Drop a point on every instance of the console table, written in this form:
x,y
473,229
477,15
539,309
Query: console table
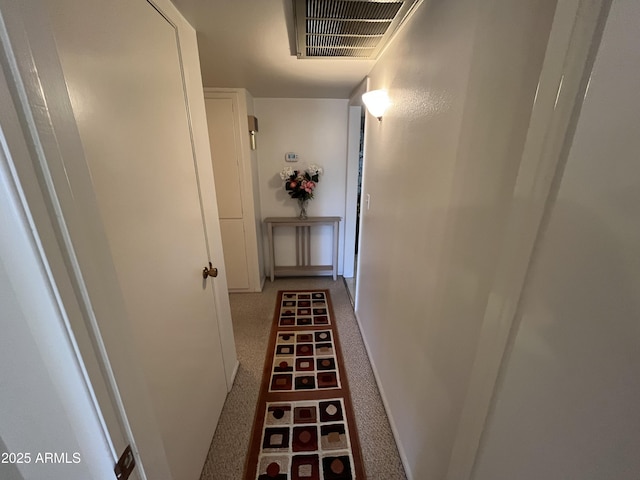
x,y
303,246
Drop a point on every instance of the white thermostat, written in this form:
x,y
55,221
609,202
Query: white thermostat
x,y
291,157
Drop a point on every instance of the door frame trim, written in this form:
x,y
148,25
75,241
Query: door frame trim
x,y
350,215
351,221
33,139
57,190
573,41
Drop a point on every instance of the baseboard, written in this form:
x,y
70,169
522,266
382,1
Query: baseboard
x,y
385,403
233,376
249,289
351,299
239,290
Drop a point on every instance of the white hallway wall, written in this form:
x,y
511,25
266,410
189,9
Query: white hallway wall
x,y
568,404
440,170
316,129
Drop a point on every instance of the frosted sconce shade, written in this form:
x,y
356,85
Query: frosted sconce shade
x,y
376,102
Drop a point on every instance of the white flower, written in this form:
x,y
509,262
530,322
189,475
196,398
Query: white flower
x,y
315,170
286,173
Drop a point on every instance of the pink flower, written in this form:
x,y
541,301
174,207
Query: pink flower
x,y
308,186
293,184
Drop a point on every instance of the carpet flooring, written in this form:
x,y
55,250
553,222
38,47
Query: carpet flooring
x,y
252,318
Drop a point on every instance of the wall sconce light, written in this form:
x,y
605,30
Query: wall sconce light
x,y
376,102
253,129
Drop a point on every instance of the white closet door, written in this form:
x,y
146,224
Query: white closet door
x,y
225,153
123,70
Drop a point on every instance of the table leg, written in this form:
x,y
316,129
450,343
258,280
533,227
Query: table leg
x,y
336,226
307,245
271,250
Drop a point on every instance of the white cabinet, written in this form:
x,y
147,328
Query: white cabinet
x,y
237,189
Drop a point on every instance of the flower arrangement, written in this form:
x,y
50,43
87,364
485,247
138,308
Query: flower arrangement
x,y
301,183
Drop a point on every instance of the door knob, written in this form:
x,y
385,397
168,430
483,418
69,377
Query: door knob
x,y
209,272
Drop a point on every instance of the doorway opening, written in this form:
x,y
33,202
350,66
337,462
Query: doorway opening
x,y
356,132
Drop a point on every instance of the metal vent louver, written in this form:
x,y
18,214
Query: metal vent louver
x,y
346,28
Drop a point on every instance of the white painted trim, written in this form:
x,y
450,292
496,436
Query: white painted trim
x,y
14,191
562,83
351,194
385,402
364,86
30,273
34,141
355,97
233,376
57,186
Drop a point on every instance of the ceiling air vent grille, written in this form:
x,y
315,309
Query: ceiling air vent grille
x,y
346,28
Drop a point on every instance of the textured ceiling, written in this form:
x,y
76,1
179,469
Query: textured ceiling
x,y
251,44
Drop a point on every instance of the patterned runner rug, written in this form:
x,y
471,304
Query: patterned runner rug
x,y
304,427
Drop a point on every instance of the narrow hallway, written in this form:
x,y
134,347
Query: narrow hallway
x,y
252,316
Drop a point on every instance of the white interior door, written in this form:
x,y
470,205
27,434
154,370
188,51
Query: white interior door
x,y
121,61
225,150
225,153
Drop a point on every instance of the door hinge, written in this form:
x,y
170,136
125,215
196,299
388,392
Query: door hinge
x,y
126,464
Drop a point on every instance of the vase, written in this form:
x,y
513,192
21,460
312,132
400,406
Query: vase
x,y
302,203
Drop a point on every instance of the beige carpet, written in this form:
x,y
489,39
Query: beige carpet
x,y
252,315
